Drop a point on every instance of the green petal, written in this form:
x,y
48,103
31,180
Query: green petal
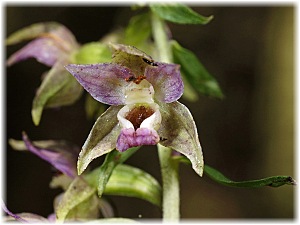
x,y
179,132
31,32
59,88
78,192
196,74
133,182
102,138
179,13
67,95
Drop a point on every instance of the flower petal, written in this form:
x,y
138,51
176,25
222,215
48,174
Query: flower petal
x,y
105,82
166,80
61,157
31,32
102,138
57,89
179,132
130,138
131,57
44,50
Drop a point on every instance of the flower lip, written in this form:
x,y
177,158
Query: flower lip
x,y
140,116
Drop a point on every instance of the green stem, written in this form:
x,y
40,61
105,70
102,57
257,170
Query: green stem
x,y
169,167
161,39
170,180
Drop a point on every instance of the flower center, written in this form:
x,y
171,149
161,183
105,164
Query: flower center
x,y
138,114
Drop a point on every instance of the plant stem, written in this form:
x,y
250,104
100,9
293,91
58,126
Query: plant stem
x,y
169,168
161,39
170,180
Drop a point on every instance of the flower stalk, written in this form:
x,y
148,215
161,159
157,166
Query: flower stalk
x,y
169,168
161,39
170,180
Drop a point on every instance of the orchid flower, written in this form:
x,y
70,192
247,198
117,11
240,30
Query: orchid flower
x,y
144,109
61,155
53,45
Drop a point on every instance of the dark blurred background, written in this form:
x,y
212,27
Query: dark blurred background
x,y
247,135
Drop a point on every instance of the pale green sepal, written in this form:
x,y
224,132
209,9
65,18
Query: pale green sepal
x,y
61,181
102,138
67,95
77,193
179,132
31,32
130,57
19,145
51,93
133,182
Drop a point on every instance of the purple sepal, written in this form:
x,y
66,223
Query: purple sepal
x,y
106,82
166,81
63,159
129,138
44,50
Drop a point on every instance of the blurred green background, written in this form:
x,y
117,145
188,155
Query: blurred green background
x,y
248,135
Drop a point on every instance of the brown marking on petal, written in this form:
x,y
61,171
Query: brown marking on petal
x,y
138,114
136,80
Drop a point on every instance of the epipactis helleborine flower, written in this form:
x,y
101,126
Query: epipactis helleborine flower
x,y
144,109
53,45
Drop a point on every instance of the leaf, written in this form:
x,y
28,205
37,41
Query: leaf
x,y
31,32
195,72
189,93
102,138
274,181
179,13
133,182
94,52
99,177
179,132
78,192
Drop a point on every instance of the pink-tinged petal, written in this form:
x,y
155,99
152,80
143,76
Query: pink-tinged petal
x,y
44,50
130,138
166,80
59,154
106,82
65,37
179,132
